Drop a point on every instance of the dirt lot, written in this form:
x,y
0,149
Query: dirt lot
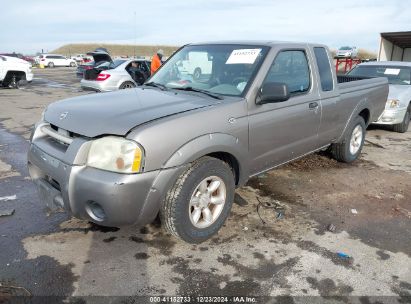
x,y
285,248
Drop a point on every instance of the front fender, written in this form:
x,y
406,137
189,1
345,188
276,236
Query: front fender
x,y
212,143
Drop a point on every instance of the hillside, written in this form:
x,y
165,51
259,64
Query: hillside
x,y
114,49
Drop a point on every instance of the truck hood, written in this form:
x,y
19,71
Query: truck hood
x,y
118,112
400,92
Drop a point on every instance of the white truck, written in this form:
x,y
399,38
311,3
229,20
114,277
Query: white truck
x,y
196,65
13,71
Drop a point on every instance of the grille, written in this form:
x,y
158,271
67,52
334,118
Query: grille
x,y
60,135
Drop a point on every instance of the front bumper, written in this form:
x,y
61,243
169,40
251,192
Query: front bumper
x,y
29,76
106,198
97,86
343,55
391,116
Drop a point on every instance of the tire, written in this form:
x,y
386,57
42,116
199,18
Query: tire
x,y
177,209
197,73
51,65
14,82
127,85
403,127
72,64
351,145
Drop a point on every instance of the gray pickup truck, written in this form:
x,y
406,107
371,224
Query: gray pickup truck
x,y
179,145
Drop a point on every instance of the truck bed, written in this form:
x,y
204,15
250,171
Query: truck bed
x,y
347,78
364,90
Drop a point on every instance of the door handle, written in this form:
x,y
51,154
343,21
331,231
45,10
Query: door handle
x,y
313,105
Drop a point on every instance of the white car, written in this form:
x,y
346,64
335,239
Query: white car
x,y
347,52
110,75
78,57
397,111
197,65
54,60
13,70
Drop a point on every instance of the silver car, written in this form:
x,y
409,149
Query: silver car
x,y
398,107
347,52
110,75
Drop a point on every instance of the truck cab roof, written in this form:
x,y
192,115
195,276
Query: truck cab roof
x,y
269,43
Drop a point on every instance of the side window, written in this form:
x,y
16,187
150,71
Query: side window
x,y
324,69
291,68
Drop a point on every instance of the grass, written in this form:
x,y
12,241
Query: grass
x,y
114,49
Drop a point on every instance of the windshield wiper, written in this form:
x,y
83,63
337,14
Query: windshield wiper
x,y
156,85
191,89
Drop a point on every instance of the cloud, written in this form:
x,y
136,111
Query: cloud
x,y
48,24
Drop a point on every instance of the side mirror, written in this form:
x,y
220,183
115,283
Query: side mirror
x,y
272,92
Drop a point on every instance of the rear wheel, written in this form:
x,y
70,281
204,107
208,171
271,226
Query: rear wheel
x,y
127,85
198,204
351,145
403,127
51,65
72,64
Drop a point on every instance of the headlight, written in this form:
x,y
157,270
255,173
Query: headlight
x,y
393,103
115,154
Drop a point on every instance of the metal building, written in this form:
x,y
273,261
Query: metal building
x,y
395,46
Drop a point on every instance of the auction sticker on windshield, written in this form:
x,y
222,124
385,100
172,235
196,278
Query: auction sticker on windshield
x,y
392,71
243,56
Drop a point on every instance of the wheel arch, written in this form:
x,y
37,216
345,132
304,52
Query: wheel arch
x,y
231,160
10,73
123,79
361,110
218,145
365,113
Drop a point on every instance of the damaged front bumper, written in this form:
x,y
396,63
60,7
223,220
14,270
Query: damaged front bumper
x,y
391,116
104,197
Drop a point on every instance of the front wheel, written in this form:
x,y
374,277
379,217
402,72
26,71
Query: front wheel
x,y
351,145
72,64
198,204
127,85
403,126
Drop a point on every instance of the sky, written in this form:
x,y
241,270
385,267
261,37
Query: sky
x,y
31,25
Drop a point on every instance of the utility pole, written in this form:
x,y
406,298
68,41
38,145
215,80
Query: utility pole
x,y
135,34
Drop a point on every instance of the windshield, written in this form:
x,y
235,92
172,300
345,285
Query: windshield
x,y
345,48
395,74
111,65
216,68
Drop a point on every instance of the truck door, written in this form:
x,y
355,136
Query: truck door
x,y
331,118
285,130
